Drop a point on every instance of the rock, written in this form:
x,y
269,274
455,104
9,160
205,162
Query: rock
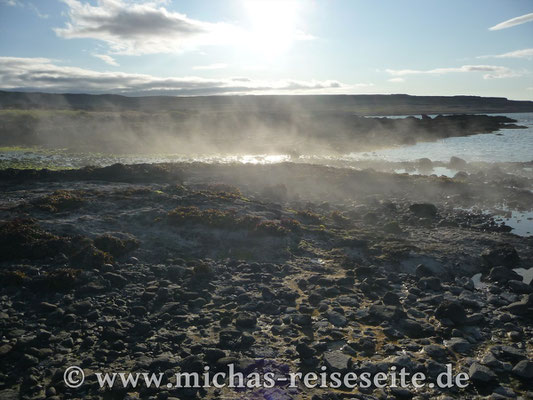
x,y
401,393
423,210
116,246
5,349
522,307
377,313
337,361
213,355
245,321
519,287
423,271
414,329
459,345
507,353
436,352
115,279
480,373
304,351
502,274
391,299
392,227
524,369
452,311
457,163
9,394
336,319
425,163
302,319
503,254
164,361
431,283
47,307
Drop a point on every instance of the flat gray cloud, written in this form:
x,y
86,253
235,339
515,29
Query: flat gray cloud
x,y
44,75
512,22
490,71
141,28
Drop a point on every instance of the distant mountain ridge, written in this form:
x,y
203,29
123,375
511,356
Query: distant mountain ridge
x,y
358,104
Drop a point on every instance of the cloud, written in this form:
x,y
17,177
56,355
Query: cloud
x,y
12,3
512,22
29,5
525,53
141,28
491,71
396,80
107,59
210,67
42,74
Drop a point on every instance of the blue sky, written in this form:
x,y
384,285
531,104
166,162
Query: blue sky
x,y
197,47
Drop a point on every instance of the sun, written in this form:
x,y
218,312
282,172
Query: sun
x,y
273,25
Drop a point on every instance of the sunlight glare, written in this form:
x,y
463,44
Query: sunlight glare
x,y
273,25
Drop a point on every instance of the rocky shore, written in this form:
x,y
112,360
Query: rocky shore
x,y
165,268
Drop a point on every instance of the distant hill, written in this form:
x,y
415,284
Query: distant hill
x,y
395,104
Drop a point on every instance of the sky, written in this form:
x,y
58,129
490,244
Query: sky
x,y
223,47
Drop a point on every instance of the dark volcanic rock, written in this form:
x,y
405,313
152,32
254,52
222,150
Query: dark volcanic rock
x,y
480,373
524,369
423,210
502,274
452,311
503,254
337,361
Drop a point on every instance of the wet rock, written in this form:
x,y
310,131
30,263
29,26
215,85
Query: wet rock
x,y
503,254
423,210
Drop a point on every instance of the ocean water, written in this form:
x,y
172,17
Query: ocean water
x,y
506,145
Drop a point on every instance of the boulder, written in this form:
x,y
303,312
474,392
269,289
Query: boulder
x,y
480,373
453,311
503,254
337,361
502,274
524,369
